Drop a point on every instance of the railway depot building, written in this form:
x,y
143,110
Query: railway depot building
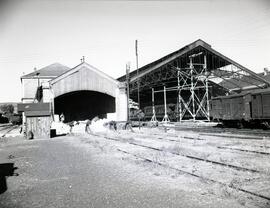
x,y
80,93
176,87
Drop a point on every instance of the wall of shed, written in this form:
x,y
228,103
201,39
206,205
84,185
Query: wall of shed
x,y
84,79
121,103
39,125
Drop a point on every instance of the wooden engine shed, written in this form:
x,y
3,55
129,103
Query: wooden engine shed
x,y
85,92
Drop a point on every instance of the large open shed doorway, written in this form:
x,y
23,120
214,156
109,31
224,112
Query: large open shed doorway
x,y
82,105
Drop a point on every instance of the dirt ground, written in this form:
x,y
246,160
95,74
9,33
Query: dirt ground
x,y
171,167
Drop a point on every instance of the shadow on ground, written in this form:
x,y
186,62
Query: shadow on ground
x,y
6,169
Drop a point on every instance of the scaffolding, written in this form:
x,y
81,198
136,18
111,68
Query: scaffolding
x,y
195,81
166,117
154,118
192,79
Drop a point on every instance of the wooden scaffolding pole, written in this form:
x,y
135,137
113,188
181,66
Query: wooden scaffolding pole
x,y
165,118
206,88
192,88
154,118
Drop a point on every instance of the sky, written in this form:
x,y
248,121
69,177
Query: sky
x,y
37,33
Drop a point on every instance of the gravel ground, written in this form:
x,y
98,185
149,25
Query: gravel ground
x,y
70,172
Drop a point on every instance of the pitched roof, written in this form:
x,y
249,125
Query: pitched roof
x,y
51,71
78,67
186,51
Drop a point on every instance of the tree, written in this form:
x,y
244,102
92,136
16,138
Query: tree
x,y
7,110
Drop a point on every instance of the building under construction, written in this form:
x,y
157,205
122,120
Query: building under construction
x,y
180,85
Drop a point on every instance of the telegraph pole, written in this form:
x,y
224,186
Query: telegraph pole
x,y
137,66
127,80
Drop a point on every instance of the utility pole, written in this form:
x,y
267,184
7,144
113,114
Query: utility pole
x,y
37,74
137,66
127,80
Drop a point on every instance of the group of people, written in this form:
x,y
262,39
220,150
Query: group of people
x,y
112,125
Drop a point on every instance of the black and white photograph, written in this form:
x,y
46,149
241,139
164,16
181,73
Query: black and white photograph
x,y
134,104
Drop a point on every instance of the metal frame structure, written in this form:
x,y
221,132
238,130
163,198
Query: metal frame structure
x,y
195,73
190,82
166,117
154,118
195,104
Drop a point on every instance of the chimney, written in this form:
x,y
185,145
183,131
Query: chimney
x,y
82,59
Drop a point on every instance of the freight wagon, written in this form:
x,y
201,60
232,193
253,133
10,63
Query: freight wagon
x,y
160,112
243,109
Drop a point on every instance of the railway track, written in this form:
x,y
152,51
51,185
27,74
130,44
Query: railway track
x,y
8,129
234,136
163,137
196,175
244,150
252,134
4,127
176,136
188,172
249,132
189,156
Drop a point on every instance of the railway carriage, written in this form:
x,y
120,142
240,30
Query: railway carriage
x,y
243,109
261,105
160,112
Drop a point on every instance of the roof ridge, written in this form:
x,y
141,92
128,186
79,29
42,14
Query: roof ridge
x,y
81,64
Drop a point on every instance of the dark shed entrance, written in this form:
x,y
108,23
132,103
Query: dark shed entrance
x,y
82,105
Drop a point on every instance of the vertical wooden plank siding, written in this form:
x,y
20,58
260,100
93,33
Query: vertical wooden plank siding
x,y
85,79
266,105
40,126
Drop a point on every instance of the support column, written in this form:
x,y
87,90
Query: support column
x,y
192,89
165,118
179,97
154,118
206,88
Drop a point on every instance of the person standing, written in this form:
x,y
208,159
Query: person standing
x,y
87,127
62,117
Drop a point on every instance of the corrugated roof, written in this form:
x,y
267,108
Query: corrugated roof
x,y
252,92
51,71
243,82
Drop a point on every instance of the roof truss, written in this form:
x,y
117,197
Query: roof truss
x,y
221,69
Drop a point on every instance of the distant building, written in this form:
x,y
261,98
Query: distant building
x,y
41,77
